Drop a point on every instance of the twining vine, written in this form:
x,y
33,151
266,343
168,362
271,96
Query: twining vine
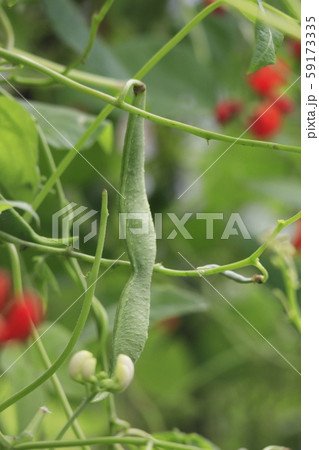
x,y
131,324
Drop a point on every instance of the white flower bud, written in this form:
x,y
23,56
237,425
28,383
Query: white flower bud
x,y
124,371
88,368
82,365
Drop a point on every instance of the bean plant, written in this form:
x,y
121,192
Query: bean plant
x,y
32,174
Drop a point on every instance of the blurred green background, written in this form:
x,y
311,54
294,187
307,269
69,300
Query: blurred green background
x,y
207,371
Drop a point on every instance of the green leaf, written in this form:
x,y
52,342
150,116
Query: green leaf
x,y
178,437
267,42
100,397
71,27
19,176
172,301
6,204
63,126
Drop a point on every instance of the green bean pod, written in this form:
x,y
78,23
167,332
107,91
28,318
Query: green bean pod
x,y
132,317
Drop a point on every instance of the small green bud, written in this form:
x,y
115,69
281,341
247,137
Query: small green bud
x,y
124,371
82,366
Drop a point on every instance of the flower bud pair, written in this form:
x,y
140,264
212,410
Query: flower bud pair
x,y
82,366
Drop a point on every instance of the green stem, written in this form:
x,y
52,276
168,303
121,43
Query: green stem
x,y
252,260
88,295
98,310
75,415
51,163
104,440
66,161
176,39
290,301
280,225
17,283
205,134
294,8
7,29
76,75
293,310
16,269
96,20
58,386
198,36
275,18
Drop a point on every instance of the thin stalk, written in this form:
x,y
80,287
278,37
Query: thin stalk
x,y
205,134
88,295
283,22
66,161
7,29
95,23
16,269
51,163
58,386
176,39
18,289
104,440
252,260
293,307
293,7
280,225
76,75
75,415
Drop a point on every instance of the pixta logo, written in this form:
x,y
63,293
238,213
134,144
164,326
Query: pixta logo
x,y
138,223
65,227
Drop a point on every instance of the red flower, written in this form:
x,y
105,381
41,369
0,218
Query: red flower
x,y
17,323
266,80
5,289
266,122
219,10
296,240
285,104
227,109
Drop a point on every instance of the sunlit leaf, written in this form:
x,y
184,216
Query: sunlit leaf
x,y
19,176
267,42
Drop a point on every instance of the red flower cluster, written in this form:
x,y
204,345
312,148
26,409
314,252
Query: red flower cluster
x,y
17,314
267,82
267,119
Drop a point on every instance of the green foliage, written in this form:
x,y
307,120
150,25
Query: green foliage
x,y
211,372
63,126
71,27
268,41
172,301
19,176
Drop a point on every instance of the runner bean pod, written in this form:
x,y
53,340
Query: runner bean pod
x,y
132,318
